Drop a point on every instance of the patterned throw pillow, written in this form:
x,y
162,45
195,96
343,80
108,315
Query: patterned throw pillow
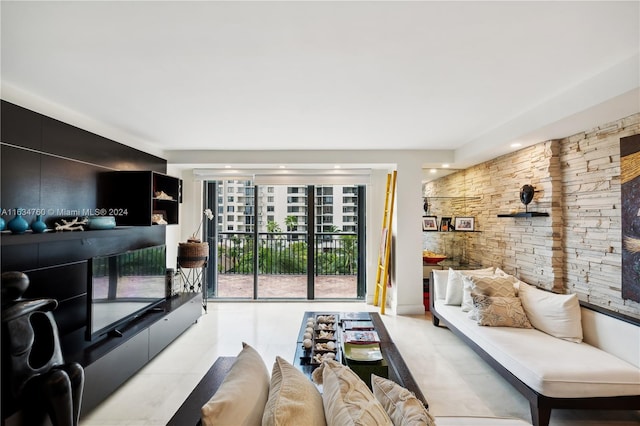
x,y
493,285
455,283
497,311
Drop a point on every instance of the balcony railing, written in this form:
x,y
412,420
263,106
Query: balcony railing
x,y
286,253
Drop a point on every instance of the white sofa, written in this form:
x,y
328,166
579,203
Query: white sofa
x,y
601,372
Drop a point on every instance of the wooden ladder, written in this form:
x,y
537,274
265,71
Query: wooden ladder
x,y
384,254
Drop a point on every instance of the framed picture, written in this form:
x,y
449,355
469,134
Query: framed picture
x,y
429,223
465,223
445,224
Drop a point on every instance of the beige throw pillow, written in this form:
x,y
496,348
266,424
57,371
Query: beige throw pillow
x,y
489,285
293,398
555,314
401,405
241,398
497,311
347,399
455,284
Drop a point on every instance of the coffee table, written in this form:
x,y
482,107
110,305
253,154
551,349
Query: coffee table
x,y
397,369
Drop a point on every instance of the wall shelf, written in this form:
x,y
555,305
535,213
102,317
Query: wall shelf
x,y
135,193
9,239
525,214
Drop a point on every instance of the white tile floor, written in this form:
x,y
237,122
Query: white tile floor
x,y
454,380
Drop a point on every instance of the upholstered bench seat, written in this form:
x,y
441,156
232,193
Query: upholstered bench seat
x,y
551,366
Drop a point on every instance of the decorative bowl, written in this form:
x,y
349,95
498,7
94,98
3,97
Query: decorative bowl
x,y
432,260
102,222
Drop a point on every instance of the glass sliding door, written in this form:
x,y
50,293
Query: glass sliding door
x,y
282,242
231,240
336,241
285,241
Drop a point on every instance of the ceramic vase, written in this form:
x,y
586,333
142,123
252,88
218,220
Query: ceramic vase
x,y
18,225
38,226
2,224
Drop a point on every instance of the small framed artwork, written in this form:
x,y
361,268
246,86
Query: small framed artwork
x,y
445,224
429,223
465,224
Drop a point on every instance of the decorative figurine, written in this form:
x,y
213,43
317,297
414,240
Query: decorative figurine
x,y
34,371
526,195
74,225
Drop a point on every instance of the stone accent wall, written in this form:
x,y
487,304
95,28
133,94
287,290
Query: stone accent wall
x,y
577,249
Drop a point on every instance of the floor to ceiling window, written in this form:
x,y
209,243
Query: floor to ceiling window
x,y
285,241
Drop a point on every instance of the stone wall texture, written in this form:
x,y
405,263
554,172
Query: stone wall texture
x,y
577,248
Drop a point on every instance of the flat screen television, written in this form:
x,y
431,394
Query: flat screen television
x,y
122,287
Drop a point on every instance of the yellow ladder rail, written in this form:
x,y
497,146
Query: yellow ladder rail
x,y
384,254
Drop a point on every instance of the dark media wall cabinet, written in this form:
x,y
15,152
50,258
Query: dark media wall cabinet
x,y
53,166
140,343
134,196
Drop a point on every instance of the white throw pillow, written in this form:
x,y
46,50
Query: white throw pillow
x,y
241,397
293,398
453,295
440,279
555,314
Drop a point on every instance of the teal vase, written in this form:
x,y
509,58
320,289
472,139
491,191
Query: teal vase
x,y
3,224
18,225
38,226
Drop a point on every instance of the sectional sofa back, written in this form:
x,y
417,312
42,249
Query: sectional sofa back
x,y
612,335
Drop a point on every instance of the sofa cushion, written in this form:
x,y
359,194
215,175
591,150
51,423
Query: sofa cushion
x,y
498,311
551,366
401,405
293,398
242,396
489,285
453,294
347,399
555,314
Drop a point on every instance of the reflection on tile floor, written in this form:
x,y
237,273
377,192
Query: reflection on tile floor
x,y
453,378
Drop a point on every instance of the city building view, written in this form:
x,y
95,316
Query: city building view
x,y
262,241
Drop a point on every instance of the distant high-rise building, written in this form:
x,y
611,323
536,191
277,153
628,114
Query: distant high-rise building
x,y
336,207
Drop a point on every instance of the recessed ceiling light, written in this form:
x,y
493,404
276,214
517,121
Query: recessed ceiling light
x,y
516,145
227,167
282,167
445,166
337,166
433,171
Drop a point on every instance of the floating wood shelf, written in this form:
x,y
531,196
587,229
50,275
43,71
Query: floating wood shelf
x,y
525,214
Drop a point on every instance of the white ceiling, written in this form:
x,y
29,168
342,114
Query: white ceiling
x,y
465,76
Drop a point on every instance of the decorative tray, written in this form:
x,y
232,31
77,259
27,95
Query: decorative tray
x,y
363,353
